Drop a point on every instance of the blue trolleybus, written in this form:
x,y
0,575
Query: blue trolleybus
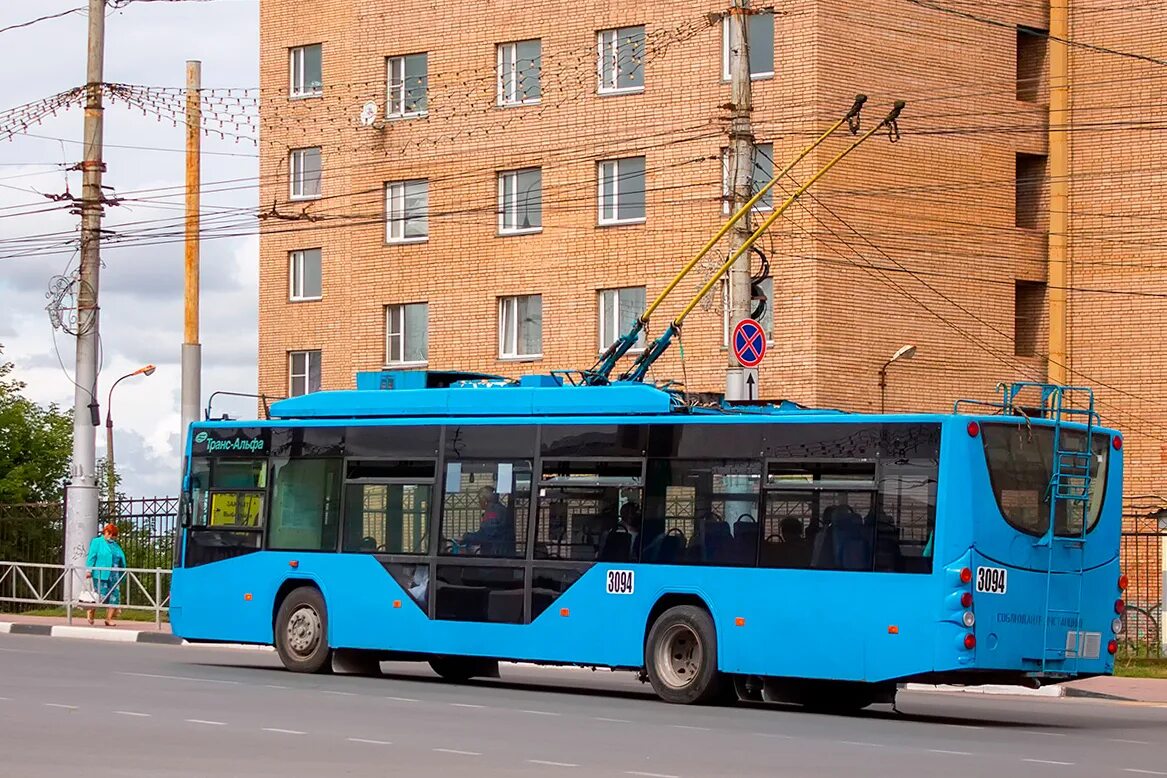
x,y
766,550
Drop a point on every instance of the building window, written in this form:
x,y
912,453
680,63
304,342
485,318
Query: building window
x,y
1032,192
619,310
304,275
303,372
520,327
620,63
520,201
1028,308
760,39
407,211
763,172
1032,49
761,297
408,81
304,172
519,67
621,190
306,71
407,334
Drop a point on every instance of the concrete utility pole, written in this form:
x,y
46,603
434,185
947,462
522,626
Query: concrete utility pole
x,y
192,356
741,175
81,493
1058,169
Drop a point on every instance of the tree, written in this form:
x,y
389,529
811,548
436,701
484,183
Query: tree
x,y
35,445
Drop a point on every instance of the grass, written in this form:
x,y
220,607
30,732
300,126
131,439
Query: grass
x,y
79,613
1140,667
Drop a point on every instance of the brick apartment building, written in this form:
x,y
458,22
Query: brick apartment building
x,y
534,171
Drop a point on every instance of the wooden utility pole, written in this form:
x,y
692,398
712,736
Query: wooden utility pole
x,y
81,493
191,349
1058,169
741,174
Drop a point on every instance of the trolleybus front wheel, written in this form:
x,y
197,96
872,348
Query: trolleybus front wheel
x,y
680,656
301,632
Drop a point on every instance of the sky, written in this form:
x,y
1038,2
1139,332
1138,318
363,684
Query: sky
x,y
141,288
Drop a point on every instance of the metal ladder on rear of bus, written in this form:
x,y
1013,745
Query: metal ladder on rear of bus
x,y
1069,486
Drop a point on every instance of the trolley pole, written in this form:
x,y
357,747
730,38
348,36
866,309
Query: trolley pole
x,y
741,174
192,357
1057,369
81,497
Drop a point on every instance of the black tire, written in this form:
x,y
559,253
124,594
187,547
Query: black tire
x,y
301,632
459,669
680,656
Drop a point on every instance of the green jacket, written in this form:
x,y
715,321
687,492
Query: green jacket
x,y
104,553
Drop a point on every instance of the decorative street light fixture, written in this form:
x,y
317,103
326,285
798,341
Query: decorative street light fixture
x,y
109,472
905,352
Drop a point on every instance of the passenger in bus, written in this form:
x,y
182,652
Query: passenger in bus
x,y
622,542
496,532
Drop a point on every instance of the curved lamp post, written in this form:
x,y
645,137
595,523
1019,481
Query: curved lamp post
x,y
905,352
109,472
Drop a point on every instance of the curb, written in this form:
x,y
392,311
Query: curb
x,y
1020,691
112,635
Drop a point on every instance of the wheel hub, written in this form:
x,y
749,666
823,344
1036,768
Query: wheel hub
x,y
304,631
679,656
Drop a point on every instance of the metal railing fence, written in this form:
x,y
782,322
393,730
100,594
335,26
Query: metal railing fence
x,y
33,584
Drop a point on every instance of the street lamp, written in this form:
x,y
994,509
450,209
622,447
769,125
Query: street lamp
x,y
905,352
109,474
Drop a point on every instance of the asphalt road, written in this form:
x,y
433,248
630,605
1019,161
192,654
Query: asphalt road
x,y
101,709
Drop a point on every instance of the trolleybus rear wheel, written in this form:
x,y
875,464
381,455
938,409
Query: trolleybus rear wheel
x,y
301,632
680,656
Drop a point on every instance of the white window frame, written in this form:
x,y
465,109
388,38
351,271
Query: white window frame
x,y
513,313
725,326
397,311
392,221
296,56
726,75
608,45
400,88
307,374
512,99
296,275
600,179
503,229
295,163
608,338
727,196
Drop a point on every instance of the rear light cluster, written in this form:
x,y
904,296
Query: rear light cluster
x,y
968,618
1119,609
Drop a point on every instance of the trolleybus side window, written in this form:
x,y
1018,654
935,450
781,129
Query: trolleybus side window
x,y
305,508
702,512
819,515
485,508
589,510
227,509
387,506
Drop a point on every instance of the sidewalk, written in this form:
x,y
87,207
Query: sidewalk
x,y
1148,690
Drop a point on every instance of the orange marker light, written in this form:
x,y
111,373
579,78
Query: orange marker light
x,y
564,612
247,597
293,564
739,622
397,603
893,629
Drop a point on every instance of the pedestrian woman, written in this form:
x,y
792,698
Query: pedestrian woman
x,y
104,560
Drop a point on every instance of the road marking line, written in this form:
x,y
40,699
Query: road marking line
x,y
771,734
339,694
275,686
1048,761
59,705
1047,734
402,699
613,721
132,713
6,699
950,753
861,743
539,712
1142,772
1135,742
456,751
465,705
964,726
208,723
551,764
370,742
180,678
650,775
284,731
686,726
